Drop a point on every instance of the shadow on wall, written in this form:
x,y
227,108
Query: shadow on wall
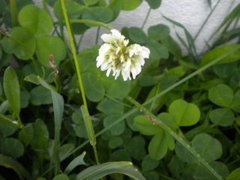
x,y
191,14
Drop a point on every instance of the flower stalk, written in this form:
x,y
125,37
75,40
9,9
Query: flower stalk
x,y
88,121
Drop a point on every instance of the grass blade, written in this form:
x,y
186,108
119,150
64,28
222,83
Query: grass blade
x,y
75,162
12,91
102,170
189,39
58,109
228,23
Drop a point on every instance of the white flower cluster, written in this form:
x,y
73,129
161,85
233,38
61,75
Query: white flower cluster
x,y
117,57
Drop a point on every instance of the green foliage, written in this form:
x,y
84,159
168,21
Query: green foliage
x,y
234,174
222,117
185,114
35,20
12,90
186,126
130,5
221,95
46,46
208,147
21,43
154,4
9,162
75,162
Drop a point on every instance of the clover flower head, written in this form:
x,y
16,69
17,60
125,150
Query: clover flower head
x,y
116,56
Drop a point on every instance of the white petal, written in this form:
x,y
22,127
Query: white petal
x,y
104,66
117,35
108,38
125,42
145,52
104,48
108,72
100,60
134,73
116,73
126,75
140,61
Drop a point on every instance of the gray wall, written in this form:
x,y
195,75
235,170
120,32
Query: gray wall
x,y
191,13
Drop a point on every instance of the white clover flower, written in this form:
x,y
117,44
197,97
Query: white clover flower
x,y
117,57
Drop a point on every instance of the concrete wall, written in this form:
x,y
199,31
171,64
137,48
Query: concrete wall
x,y
191,13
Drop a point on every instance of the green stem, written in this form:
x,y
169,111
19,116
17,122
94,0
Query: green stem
x,y
79,42
91,22
13,11
206,20
88,121
97,35
183,142
146,18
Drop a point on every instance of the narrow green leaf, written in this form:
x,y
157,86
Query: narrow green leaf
x,y
76,162
8,162
102,170
65,150
12,90
229,20
209,3
32,78
189,39
58,109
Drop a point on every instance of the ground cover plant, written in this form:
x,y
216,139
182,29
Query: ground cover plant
x,y
132,107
